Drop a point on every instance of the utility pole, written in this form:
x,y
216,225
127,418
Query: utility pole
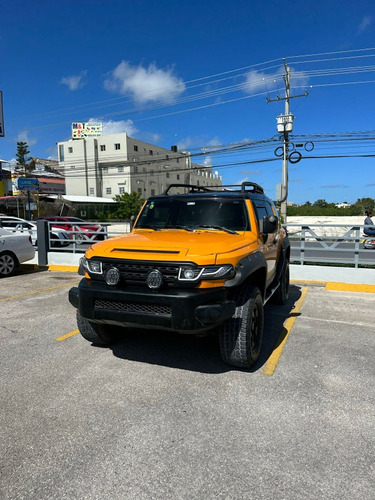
x,y
285,125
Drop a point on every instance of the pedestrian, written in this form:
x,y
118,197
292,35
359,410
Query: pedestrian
x,y
370,231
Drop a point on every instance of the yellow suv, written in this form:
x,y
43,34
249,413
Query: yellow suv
x,y
196,260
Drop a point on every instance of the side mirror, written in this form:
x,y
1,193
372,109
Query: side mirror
x,y
270,224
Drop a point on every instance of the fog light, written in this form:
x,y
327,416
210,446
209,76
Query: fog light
x,y
112,276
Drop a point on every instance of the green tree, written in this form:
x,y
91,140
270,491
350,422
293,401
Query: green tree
x,y
321,203
363,204
22,152
129,204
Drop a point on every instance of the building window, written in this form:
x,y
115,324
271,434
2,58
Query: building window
x,y
151,172
120,170
70,150
178,177
102,147
61,152
135,147
105,170
108,191
121,190
167,157
151,152
178,160
117,146
168,175
136,170
152,192
139,190
91,190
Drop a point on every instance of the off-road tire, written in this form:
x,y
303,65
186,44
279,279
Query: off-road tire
x,y
95,333
241,336
8,264
282,293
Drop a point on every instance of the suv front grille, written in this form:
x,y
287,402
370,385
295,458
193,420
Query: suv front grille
x,y
136,272
117,305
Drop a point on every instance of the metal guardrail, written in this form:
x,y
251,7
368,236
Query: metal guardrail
x,y
330,244
312,243
80,237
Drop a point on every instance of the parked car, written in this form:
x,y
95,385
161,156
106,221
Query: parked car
x,y
58,237
15,248
79,230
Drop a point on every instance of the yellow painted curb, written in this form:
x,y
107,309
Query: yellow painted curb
x,y
338,286
69,269
350,287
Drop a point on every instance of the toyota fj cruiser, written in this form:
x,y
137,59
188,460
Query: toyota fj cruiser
x,y
199,260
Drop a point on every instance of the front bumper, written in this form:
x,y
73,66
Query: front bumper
x,y
184,311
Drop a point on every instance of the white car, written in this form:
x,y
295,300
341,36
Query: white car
x,y
58,237
14,249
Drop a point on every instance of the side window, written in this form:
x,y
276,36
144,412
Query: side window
x,y
262,208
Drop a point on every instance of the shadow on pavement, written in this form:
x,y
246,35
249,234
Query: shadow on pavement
x,y
200,354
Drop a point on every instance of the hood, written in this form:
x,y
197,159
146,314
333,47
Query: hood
x,y
170,245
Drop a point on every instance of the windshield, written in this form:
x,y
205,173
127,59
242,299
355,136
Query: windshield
x,y
194,213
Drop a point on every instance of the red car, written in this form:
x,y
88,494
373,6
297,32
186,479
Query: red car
x,y
80,230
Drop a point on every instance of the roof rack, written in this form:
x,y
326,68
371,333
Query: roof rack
x,y
229,187
256,187
193,188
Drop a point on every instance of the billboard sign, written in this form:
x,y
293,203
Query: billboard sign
x,y
27,183
88,129
2,133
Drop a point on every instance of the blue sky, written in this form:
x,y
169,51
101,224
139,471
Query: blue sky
x,y
197,74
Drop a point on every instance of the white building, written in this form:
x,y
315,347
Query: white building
x,y
108,165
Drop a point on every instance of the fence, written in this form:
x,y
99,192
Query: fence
x,y
331,244
313,243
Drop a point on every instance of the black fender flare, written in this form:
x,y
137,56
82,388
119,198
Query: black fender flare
x,y
284,257
246,267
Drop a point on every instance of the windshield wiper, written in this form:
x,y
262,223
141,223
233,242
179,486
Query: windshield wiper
x,y
148,227
179,226
219,228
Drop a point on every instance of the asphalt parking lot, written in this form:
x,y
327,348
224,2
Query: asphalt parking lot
x,y
160,416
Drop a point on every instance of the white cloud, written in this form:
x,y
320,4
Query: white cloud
x,y
196,143
256,81
75,82
149,84
116,127
23,137
365,23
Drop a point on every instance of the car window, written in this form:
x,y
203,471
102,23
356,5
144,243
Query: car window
x,y
262,208
195,213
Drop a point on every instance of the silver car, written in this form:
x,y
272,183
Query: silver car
x,y
14,249
58,237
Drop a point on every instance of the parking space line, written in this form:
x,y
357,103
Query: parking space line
x,y
67,335
273,360
38,291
